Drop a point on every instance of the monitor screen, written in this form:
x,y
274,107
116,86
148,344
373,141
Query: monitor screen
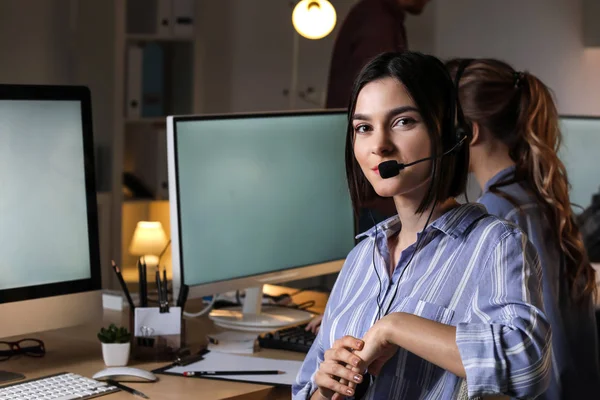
x,y
580,146
49,233
49,230
260,193
43,208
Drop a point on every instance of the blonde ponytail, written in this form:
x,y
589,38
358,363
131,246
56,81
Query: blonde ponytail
x,y
537,161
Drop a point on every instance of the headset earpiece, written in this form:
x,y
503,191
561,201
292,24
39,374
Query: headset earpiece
x,y
461,134
462,129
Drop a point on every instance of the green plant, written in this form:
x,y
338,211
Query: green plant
x,y
114,334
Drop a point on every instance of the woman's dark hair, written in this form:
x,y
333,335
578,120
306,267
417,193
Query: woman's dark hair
x,y
518,110
428,83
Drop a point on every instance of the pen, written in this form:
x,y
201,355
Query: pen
x,y
126,388
143,287
159,290
166,289
123,285
254,372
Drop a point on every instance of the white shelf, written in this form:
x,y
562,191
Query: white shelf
x,y
157,38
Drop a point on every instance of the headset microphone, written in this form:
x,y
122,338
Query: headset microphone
x,y
391,168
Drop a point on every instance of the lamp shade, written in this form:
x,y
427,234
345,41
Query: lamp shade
x,y
149,238
314,19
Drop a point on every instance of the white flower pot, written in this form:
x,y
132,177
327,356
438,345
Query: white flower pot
x,y
116,354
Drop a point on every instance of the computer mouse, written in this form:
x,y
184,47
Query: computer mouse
x,y
125,374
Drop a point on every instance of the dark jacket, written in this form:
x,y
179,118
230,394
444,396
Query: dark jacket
x,y
372,27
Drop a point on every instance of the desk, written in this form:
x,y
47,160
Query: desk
x,y
78,350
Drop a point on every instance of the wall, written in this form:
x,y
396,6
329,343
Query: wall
x,y
63,42
248,55
420,29
34,41
544,37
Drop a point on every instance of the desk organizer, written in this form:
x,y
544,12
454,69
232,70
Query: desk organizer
x,y
156,336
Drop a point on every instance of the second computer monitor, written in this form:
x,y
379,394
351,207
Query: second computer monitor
x,y
257,199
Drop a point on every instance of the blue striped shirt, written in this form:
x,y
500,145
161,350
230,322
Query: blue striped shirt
x,y
574,338
473,271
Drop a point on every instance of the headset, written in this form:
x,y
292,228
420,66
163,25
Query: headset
x,y
462,130
390,169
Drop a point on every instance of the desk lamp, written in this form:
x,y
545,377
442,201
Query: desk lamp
x,y
149,239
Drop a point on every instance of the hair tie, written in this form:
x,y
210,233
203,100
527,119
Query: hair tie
x,y
518,78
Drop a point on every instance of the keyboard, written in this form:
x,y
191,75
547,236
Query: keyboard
x,y
293,339
63,386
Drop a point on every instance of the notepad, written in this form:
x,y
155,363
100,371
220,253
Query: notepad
x,y
232,362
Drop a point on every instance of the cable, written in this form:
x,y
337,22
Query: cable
x,y
373,256
409,261
202,312
162,253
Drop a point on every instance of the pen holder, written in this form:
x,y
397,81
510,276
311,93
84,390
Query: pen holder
x,y
156,336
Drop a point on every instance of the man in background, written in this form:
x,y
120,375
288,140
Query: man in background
x,y
372,27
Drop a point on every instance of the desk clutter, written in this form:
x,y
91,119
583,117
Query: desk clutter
x,y
214,365
157,332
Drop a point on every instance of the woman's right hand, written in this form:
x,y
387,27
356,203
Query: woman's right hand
x,y
333,376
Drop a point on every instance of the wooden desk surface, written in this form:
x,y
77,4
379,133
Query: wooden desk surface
x,y
78,350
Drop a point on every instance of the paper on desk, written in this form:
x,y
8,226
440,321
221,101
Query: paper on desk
x,y
230,362
168,323
234,342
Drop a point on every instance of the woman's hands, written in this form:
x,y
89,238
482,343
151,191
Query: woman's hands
x,y
339,368
377,350
349,358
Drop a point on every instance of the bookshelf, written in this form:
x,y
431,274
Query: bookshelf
x,y
156,73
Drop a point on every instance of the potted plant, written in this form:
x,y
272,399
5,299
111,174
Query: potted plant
x,y
115,345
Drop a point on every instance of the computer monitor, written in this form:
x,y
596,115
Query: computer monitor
x,y
50,264
580,147
257,199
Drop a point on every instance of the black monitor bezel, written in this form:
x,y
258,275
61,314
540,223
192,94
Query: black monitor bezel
x,y
185,118
83,96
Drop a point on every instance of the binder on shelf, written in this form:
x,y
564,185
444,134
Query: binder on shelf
x,y
164,17
183,18
133,103
152,81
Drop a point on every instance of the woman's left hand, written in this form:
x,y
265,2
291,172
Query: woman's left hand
x,y
377,350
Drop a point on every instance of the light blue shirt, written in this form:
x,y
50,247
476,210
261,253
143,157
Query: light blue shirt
x,y
574,338
473,271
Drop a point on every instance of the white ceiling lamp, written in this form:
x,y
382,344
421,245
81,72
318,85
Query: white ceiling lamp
x,y
314,19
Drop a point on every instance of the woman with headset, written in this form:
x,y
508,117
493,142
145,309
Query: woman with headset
x,y
442,292
513,152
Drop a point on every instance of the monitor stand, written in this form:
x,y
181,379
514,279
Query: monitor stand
x,y
254,317
6,376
